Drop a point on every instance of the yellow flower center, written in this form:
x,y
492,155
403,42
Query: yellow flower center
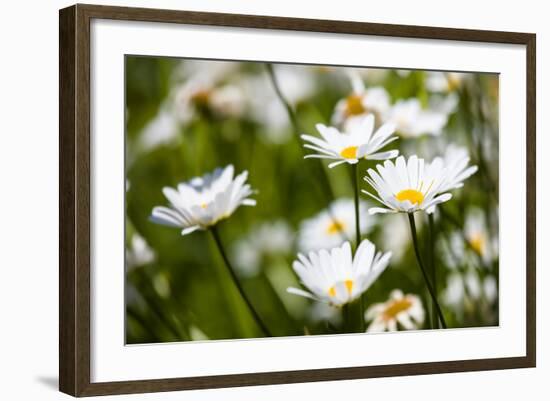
x,y
336,227
204,205
453,82
347,283
201,97
412,195
394,308
349,153
477,242
354,106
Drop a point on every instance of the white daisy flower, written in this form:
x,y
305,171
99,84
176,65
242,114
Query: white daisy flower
x,y
336,277
455,164
469,287
160,130
400,310
296,84
203,201
478,237
205,86
322,312
331,227
361,101
412,121
437,81
395,234
138,253
226,100
357,142
467,246
406,186
266,239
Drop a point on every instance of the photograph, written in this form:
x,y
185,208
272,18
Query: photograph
x,y
285,200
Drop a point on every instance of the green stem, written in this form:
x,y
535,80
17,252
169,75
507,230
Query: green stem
x,y
354,169
288,107
346,314
323,186
423,270
253,312
354,174
433,268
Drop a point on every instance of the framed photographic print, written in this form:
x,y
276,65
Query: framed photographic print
x,y
251,200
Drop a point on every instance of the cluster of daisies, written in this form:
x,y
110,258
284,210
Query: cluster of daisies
x,y
333,268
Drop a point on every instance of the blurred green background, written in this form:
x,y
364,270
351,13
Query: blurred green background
x,y
187,117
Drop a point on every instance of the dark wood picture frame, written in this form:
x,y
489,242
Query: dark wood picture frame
x,y
74,199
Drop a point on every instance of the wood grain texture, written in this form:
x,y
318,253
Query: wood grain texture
x,y
67,101
74,198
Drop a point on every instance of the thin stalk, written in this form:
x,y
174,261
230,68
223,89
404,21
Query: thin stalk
x,y
324,187
253,312
433,267
147,292
423,270
354,174
346,314
288,107
354,169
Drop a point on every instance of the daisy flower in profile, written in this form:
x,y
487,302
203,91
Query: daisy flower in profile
x,y
357,142
203,201
477,234
336,276
412,121
406,186
331,227
266,239
400,311
361,101
455,162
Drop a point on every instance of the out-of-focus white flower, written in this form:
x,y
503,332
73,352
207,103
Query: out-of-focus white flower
x,y
331,227
444,103
322,312
197,334
477,235
469,286
465,248
400,310
226,100
296,84
361,101
205,84
396,234
371,76
337,277
162,129
411,120
203,201
406,186
437,81
265,239
357,142
138,253
161,284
